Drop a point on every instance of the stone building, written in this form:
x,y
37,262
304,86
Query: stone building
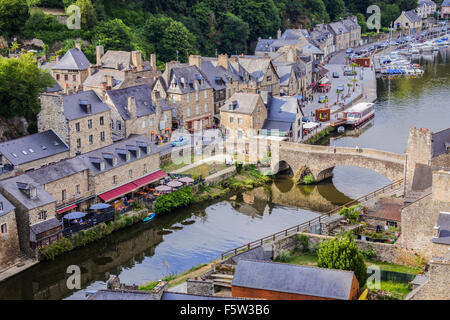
x,y
189,90
351,23
341,35
31,152
9,244
71,71
122,167
135,111
243,115
82,120
36,220
408,20
289,85
322,38
118,70
425,8
445,9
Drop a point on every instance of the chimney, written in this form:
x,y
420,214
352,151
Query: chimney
x,y
100,50
132,107
222,60
278,34
90,71
153,61
136,59
195,60
78,45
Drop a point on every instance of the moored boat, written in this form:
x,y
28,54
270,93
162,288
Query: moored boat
x,y
359,114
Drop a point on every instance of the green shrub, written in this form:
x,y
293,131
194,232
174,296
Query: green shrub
x,y
303,240
238,166
308,179
369,253
178,199
284,256
352,213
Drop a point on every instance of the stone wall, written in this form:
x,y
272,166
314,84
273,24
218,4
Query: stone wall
x,y
419,150
9,241
52,116
200,287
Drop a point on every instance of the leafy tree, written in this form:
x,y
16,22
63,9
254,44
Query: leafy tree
x,y
342,253
21,83
234,35
335,8
352,213
168,36
13,14
114,35
362,22
389,13
88,14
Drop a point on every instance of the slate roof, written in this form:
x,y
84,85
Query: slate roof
x,y
246,103
284,73
98,77
73,110
43,197
446,3
337,27
426,2
215,78
57,171
55,88
117,150
7,206
120,60
252,254
412,16
142,95
36,146
45,226
302,280
423,177
74,59
184,296
310,48
441,142
187,79
351,23
444,225
255,66
264,45
121,295
282,126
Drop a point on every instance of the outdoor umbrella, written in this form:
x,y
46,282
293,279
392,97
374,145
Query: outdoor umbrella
x,y
163,188
186,180
100,206
74,215
175,184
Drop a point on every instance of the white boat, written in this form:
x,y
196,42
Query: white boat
x,y
359,114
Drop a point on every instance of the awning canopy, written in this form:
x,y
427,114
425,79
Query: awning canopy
x,y
67,209
100,206
74,215
149,178
117,192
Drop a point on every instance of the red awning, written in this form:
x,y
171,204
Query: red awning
x,y
117,192
150,178
67,209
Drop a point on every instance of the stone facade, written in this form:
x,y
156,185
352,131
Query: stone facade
x,y
9,239
419,150
199,286
404,22
70,80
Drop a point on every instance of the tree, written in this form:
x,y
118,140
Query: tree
x,y
88,14
21,83
234,35
114,35
13,14
362,22
342,253
165,37
335,8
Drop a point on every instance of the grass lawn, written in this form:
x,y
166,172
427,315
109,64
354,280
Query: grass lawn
x,y
393,267
171,166
397,290
206,169
304,259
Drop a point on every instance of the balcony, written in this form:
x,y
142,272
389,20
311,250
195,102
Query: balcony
x,y
91,220
75,199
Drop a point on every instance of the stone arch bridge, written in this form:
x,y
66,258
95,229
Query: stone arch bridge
x,y
321,160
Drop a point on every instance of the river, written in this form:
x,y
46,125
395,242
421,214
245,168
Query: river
x,y
175,242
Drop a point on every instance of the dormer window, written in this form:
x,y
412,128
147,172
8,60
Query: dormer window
x,y
24,152
14,155
128,156
31,150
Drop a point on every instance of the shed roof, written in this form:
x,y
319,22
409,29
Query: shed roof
x,y
45,226
302,280
33,147
387,209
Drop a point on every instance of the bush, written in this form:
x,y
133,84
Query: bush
x,y
352,213
369,253
238,166
304,241
284,256
308,179
168,202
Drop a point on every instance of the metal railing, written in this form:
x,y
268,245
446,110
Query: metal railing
x,y
308,224
89,223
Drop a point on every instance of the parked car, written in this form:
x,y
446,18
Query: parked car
x,y
335,75
181,141
349,50
322,99
349,73
340,88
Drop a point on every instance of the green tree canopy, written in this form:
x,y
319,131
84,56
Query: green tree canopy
x,y
13,14
21,83
88,14
234,35
342,253
114,35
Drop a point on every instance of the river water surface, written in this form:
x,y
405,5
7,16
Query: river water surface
x,y
178,241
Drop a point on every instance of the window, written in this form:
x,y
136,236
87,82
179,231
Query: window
x,y
269,78
102,121
66,77
102,136
89,124
231,119
91,139
143,124
130,173
391,223
239,120
259,108
206,107
1,206
58,77
188,98
74,77
77,127
119,125
114,179
63,195
188,112
206,94
196,95
77,187
79,143
197,109
112,124
152,122
4,228
240,134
